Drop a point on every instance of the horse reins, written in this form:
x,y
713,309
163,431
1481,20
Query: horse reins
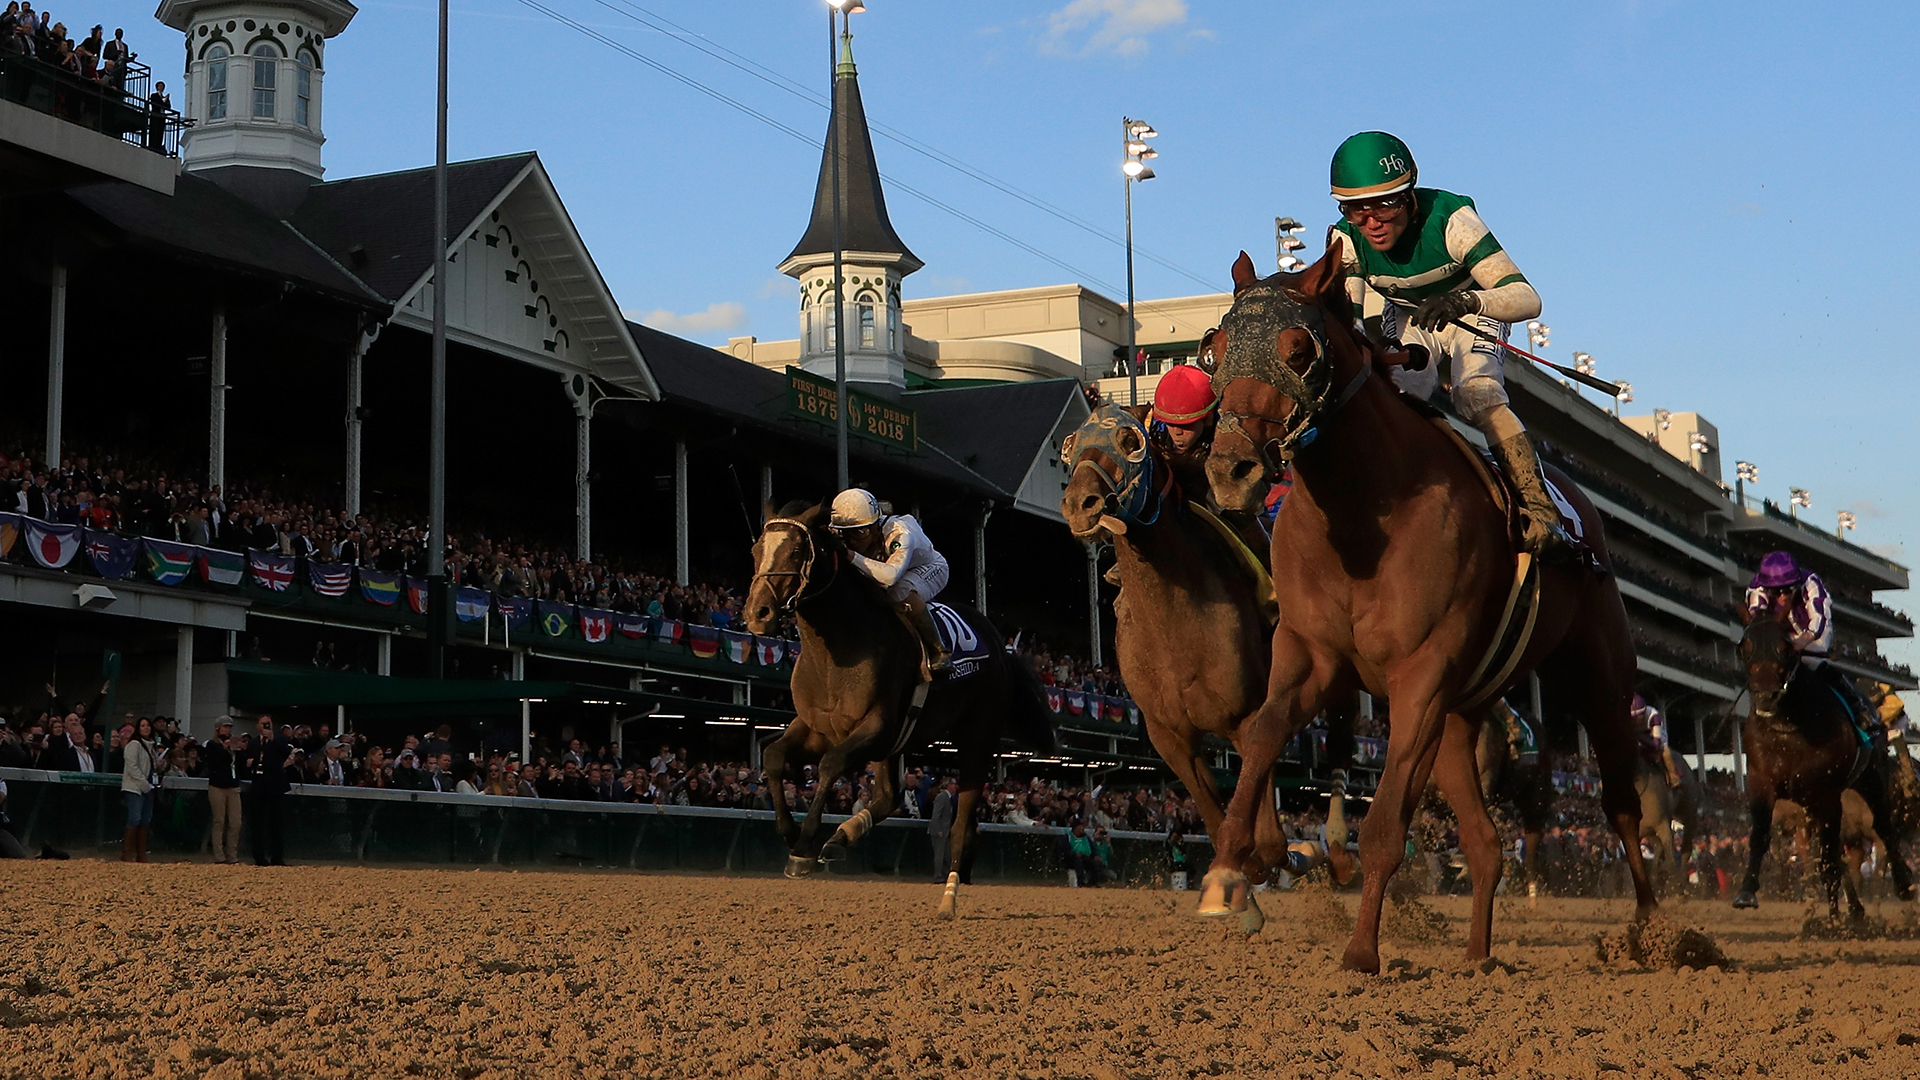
x,y
805,573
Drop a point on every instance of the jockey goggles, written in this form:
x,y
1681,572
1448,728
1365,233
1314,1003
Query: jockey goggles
x,y
1378,209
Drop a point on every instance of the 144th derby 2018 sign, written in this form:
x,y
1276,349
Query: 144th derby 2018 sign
x,y
811,397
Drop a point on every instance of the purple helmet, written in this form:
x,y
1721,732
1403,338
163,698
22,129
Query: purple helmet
x,y
1639,705
1779,571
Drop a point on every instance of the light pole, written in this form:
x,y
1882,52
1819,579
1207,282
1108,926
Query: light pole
x,y
1846,522
439,615
1134,134
1800,499
1744,473
1622,393
845,9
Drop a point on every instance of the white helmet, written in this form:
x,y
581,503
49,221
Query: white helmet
x,y
855,508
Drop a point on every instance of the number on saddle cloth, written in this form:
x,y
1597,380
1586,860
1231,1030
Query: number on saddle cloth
x,y
968,651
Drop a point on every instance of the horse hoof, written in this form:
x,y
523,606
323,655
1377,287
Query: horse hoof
x,y
1361,958
1218,892
798,867
1907,894
833,855
1746,900
1252,919
946,910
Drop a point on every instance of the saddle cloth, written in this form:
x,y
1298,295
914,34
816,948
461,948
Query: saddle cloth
x,y
968,651
1507,498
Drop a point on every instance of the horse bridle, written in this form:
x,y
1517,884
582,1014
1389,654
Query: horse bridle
x,y
1312,392
805,573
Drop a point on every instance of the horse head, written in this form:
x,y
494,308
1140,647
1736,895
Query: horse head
x,y
786,559
1282,360
1767,652
1115,476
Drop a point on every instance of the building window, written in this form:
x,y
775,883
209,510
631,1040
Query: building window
x,y
303,92
867,335
217,83
893,328
266,68
830,334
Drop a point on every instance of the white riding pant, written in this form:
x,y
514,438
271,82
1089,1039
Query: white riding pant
x,y
927,579
1478,367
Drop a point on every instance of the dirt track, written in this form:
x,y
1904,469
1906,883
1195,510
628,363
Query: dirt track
x,y
231,972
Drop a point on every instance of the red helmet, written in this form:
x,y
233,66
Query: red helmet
x,y
1185,396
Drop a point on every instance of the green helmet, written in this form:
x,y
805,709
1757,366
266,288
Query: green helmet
x,y
1371,164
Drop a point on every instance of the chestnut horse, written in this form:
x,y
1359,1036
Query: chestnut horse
x,y
1192,623
853,689
1394,567
1802,745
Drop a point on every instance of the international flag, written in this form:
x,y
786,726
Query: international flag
x,y
52,546
739,645
595,624
416,595
167,562
329,579
224,567
9,532
270,571
1077,702
769,650
1133,712
1056,699
516,610
555,619
470,605
793,648
112,557
630,625
1116,709
705,641
669,630
379,588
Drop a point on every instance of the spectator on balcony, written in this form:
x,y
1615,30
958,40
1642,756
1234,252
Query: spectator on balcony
x,y
88,54
117,55
10,32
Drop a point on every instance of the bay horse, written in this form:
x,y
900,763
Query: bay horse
x,y
853,693
1661,804
1801,744
1193,623
1526,786
1396,570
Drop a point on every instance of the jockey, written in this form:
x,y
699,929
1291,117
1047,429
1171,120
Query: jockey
x,y
1183,412
1432,260
894,551
1656,737
1798,598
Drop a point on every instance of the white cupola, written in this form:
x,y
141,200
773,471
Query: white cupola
x,y
252,90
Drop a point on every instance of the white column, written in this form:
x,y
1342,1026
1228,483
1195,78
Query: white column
x,y
383,657
582,480
526,730
217,404
356,368
681,573
980,559
1699,745
517,665
339,721
56,364
1093,601
183,677
766,487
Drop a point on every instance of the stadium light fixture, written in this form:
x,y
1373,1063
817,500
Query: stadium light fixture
x,y
1798,499
1287,241
1140,129
1133,139
847,7
1584,363
1744,473
1662,420
1539,334
1699,443
1846,523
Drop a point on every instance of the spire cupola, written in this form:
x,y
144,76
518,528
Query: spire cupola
x,y
873,256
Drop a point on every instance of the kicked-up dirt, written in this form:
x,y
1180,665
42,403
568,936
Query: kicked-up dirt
x,y
184,970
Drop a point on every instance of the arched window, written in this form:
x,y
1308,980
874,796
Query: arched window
x,y
217,83
303,91
266,69
869,337
893,328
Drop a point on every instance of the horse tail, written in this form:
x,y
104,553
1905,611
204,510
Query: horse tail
x,y
1029,721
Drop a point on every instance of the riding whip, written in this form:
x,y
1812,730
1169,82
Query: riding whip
x,y
1602,385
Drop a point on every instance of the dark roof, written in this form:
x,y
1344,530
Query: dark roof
x,y
203,221
390,217
693,375
863,205
996,429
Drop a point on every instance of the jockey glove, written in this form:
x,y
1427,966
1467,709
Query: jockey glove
x,y
1437,311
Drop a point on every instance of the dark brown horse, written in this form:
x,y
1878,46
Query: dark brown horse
x,y
853,691
1525,786
1395,569
1802,745
1192,623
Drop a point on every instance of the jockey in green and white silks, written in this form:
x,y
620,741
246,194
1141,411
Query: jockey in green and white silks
x,y
1432,260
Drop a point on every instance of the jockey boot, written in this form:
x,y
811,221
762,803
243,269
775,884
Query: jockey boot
x,y
913,610
1541,534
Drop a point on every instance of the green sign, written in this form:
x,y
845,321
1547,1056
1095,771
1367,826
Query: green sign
x,y
812,398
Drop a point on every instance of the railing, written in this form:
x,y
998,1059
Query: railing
x,y
117,108
1695,663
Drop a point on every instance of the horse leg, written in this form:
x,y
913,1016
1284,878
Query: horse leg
x,y
1177,748
1342,711
877,810
1412,746
1879,799
774,760
1760,812
1826,811
961,843
833,764
1458,775
1611,734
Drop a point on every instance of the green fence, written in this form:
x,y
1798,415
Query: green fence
x,y
83,813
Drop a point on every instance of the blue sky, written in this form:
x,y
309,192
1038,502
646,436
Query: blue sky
x,y
1712,199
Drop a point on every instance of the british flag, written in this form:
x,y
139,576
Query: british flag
x,y
271,571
